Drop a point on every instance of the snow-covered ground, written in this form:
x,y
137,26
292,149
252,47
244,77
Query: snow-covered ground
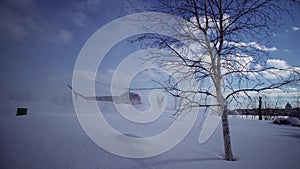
x,y
51,137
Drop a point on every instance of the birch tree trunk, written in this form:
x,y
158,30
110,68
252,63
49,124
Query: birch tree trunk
x,y
226,136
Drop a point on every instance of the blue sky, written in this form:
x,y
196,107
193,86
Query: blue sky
x,y
40,41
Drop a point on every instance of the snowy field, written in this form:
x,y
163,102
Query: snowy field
x,y
50,137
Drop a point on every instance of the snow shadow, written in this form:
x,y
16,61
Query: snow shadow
x,y
169,163
297,136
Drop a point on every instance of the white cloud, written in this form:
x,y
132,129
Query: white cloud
x,y
277,63
289,92
111,71
23,21
292,89
272,90
279,68
261,47
237,62
150,75
278,35
58,78
258,67
27,6
64,36
280,93
79,19
274,69
19,20
103,77
12,26
253,45
89,75
295,28
244,61
93,4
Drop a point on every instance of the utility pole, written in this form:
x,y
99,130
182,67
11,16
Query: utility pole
x,y
259,109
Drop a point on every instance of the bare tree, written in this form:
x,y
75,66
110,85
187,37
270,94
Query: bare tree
x,y
224,49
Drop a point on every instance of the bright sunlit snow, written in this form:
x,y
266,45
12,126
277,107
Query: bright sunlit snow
x,y
50,136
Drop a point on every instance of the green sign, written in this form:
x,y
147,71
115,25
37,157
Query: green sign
x,y
21,111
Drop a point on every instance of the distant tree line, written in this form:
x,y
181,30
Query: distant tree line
x,y
269,113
